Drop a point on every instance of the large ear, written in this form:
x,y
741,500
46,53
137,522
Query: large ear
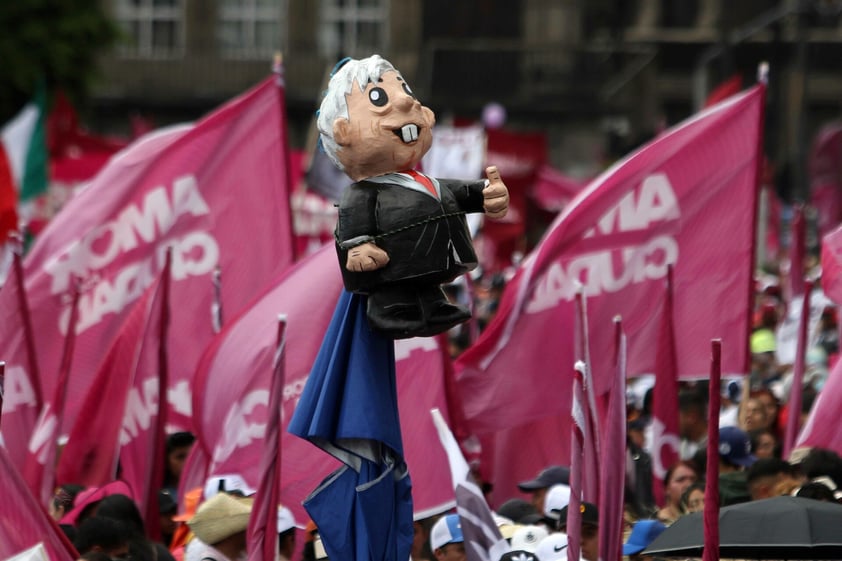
x,y
342,131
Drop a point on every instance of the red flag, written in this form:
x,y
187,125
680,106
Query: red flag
x,y
39,469
665,443
231,394
724,90
263,522
23,398
214,191
681,200
23,523
711,512
797,387
612,477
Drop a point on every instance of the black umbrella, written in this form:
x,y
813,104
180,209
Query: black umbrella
x,y
777,528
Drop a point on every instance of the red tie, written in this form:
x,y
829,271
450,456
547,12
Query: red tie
x,y
423,180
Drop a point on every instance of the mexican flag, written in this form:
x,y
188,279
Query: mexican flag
x,y
23,164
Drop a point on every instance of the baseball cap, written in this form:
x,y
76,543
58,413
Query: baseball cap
x,y
735,447
557,498
547,477
553,547
643,533
590,514
516,509
230,483
447,529
518,555
286,520
528,537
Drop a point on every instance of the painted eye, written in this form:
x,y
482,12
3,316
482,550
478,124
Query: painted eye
x,y
378,97
407,89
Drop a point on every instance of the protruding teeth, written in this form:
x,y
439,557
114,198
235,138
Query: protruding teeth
x,y
409,133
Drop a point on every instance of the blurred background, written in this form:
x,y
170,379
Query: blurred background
x,y
596,78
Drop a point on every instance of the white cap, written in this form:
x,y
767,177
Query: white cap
x,y
557,498
527,538
447,529
553,547
230,482
285,519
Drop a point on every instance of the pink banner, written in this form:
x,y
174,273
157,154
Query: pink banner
x,y
832,265
821,430
685,199
232,390
23,522
215,192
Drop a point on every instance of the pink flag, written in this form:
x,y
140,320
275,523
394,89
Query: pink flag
x,y
23,522
263,522
585,412
553,190
665,440
22,393
578,440
797,387
143,435
38,471
214,191
232,382
821,429
832,265
104,421
797,250
825,170
612,464
681,200
711,512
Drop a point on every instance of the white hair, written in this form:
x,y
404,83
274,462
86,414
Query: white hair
x,y
334,105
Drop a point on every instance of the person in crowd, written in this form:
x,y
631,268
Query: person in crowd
x,y
446,539
679,476
286,534
752,415
643,533
765,443
735,458
765,477
168,509
220,524
178,447
772,405
552,548
692,422
124,509
817,491
693,498
557,498
822,462
519,511
63,498
527,538
588,533
639,495
538,487
105,535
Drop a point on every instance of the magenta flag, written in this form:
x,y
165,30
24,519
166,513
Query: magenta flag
x,y
797,253
41,454
585,413
665,444
90,456
143,435
711,512
263,522
821,429
578,440
612,477
832,265
23,522
22,398
232,382
215,191
797,388
686,199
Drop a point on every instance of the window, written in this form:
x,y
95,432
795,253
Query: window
x,y
354,28
250,28
153,28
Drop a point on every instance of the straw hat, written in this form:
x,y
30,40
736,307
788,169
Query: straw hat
x,y
220,517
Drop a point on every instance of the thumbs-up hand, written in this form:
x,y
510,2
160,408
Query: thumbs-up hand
x,y
495,194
